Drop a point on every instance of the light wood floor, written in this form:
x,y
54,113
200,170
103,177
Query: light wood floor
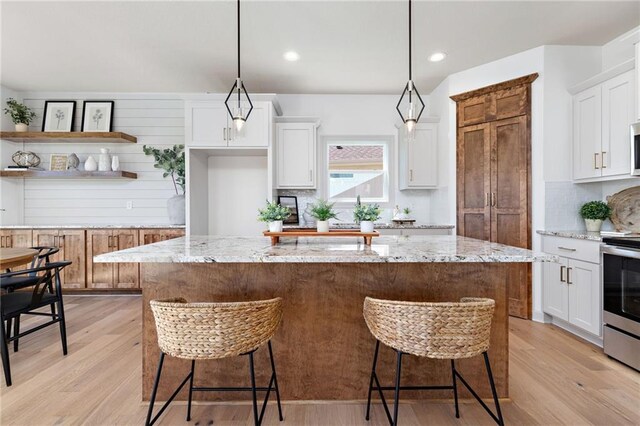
x,y
556,379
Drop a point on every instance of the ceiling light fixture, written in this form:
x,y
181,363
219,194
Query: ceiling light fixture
x,y
240,110
291,56
437,57
411,95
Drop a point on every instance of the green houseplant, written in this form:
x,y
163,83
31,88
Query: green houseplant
x,y
322,210
593,213
366,214
20,114
171,160
274,214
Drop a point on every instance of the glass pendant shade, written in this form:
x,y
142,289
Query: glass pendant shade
x,y
238,104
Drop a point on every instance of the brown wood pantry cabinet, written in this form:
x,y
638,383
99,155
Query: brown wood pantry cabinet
x,y
80,245
494,174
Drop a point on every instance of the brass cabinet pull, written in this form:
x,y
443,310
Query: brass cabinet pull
x,y
602,161
486,199
9,241
109,243
562,268
595,161
116,241
2,242
493,199
569,276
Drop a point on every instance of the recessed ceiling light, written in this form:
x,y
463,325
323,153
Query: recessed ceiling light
x,y
437,57
291,56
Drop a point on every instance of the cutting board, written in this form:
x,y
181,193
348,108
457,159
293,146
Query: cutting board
x,y
625,209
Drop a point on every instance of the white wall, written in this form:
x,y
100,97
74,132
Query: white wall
x,y
156,120
11,190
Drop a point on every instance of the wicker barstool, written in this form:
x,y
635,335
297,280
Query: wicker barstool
x,y
433,330
199,331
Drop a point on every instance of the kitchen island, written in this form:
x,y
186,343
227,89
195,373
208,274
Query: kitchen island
x,y
323,349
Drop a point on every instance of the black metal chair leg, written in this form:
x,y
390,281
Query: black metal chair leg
x,y
455,387
193,367
155,389
253,390
397,394
373,372
16,331
275,380
63,326
9,327
493,388
4,351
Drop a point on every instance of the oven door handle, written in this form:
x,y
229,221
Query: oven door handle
x,y
622,252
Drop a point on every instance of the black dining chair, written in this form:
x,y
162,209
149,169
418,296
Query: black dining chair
x,y
46,290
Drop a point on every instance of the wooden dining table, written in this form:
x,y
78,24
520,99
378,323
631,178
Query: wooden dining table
x,y
12,257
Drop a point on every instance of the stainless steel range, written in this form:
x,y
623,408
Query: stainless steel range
x,y
621,295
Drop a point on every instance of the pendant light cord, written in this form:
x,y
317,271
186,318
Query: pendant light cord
x,y
409,40
239,38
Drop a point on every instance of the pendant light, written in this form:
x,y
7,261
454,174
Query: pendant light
x,y
410,96
240,106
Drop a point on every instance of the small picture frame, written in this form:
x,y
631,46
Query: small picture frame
x,y
97,116
58,162
58,116
291,202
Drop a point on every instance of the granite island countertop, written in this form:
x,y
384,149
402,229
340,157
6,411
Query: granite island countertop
x,y
387,249
94,226
578,235
388,225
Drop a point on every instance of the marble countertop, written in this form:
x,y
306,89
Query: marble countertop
x,y
579,235
397,249
390,225
93,226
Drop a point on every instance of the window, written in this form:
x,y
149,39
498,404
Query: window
x,y
357,167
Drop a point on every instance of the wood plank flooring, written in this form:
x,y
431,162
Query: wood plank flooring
x,y
555,379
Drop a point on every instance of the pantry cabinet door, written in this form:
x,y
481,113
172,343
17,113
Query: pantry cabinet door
x,y
587,133
617,117
125,275
99,275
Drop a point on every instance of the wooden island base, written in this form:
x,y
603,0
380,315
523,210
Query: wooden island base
x,y
323,349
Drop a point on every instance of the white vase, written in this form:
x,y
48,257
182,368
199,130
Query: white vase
x,y
366,226
104,161
175,208
115,163
275,226
593,225
322,225
90,165
21,127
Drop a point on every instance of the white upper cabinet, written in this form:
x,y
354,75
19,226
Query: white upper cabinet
x,y
637,91
602,115
296,155
417,162
208,125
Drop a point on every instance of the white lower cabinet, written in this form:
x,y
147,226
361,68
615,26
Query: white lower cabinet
x,y
571,287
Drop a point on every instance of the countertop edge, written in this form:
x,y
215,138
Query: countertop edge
x,y
99,226
577,235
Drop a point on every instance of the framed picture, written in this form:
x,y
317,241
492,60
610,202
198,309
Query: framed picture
x,y
58,162
58,116
97,116
291,202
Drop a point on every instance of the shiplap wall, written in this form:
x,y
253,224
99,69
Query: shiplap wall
x,y
154,119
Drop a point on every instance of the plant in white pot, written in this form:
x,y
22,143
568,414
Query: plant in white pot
x,y
171,160
593,213
322,211
365,215
20,114
274,214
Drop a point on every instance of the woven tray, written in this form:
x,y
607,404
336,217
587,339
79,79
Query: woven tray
x,y
275,236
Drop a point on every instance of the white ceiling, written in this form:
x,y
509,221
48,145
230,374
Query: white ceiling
x,y
345,46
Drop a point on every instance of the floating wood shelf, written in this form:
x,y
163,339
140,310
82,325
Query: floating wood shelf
x,y
68,137
275,236
67,174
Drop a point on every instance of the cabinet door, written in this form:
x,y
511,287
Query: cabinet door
x,y
99,275
474,110
587,133
617,117
584,295
422,157
18,238
149,236
555,290
72,247
125,275
296,155
474,166
255,131
206,123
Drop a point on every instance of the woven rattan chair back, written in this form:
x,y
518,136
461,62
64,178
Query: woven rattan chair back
x,y
433,330
214,330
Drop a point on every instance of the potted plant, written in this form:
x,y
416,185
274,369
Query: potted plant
x,y
593,213
20,114
171,160
274,214
366,214
322,211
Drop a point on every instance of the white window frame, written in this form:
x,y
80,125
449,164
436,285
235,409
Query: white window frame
x,y
389,147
